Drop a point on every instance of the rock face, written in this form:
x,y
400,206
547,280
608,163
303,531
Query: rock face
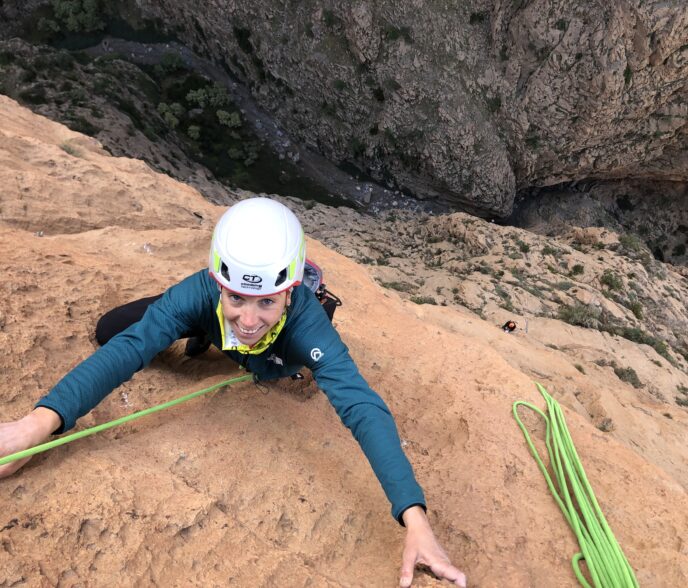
x,y
91,99
655,211
466,103
263,486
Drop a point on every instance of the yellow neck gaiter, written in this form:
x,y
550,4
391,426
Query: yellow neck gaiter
x,y
231,343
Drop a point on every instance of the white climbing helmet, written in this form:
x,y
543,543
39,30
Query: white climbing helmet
x,y
258,248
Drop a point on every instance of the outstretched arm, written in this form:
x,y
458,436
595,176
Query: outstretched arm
x,y
421,547
185,305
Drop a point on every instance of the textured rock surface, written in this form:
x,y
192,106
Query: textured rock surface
x,y
254,487
468,101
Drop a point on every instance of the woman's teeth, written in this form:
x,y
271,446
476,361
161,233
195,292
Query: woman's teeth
x,y
247,332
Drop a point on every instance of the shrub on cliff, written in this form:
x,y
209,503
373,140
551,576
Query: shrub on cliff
x,y
78,15
582,315
628,375
214,96
611,280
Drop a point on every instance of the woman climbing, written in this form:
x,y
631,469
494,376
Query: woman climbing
x,y
252,305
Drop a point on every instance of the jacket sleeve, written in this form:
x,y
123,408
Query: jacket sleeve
x,y
318,346
180,308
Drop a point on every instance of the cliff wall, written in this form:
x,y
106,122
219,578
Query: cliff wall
x,y
467,102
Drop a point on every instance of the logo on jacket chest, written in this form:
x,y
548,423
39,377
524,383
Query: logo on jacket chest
x,y
276,360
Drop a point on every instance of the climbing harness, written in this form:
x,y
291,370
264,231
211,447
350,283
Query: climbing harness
x,y
120,421
603,556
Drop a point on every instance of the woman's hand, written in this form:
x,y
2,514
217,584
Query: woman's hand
x,y
32,430
422,548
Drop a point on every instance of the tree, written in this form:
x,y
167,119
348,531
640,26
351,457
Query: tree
x,y
79,15
229,119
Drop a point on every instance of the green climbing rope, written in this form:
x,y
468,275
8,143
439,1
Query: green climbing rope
x,y
98,428
605,561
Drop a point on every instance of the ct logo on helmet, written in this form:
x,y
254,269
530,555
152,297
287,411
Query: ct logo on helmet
x,y
316,354
251,282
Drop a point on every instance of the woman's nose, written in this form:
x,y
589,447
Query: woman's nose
x,y
249,316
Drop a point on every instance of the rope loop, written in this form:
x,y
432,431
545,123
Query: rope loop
x,y
606,562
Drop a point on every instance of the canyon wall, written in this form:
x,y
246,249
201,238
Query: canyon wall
x,y
466,102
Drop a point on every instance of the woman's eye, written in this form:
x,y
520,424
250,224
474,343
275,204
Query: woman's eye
x,y
267,302
234,298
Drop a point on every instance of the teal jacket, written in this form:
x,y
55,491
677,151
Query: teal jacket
x,y
307,339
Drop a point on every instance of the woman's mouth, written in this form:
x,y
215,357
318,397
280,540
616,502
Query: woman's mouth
x,y
248,332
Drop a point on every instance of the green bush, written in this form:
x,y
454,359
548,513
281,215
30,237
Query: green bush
x,y
229,119
582,315
423,300
628,375
79,15
523,246
171,113
565,285
636,308
548,250
507,303
48,25
399,286
632,243
577,269
628,75
215,96
611,280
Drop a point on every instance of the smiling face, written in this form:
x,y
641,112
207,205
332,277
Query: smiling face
x,y
252,316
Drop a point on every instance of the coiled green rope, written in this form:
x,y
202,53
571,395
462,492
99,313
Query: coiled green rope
x,y
607,564
86,432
